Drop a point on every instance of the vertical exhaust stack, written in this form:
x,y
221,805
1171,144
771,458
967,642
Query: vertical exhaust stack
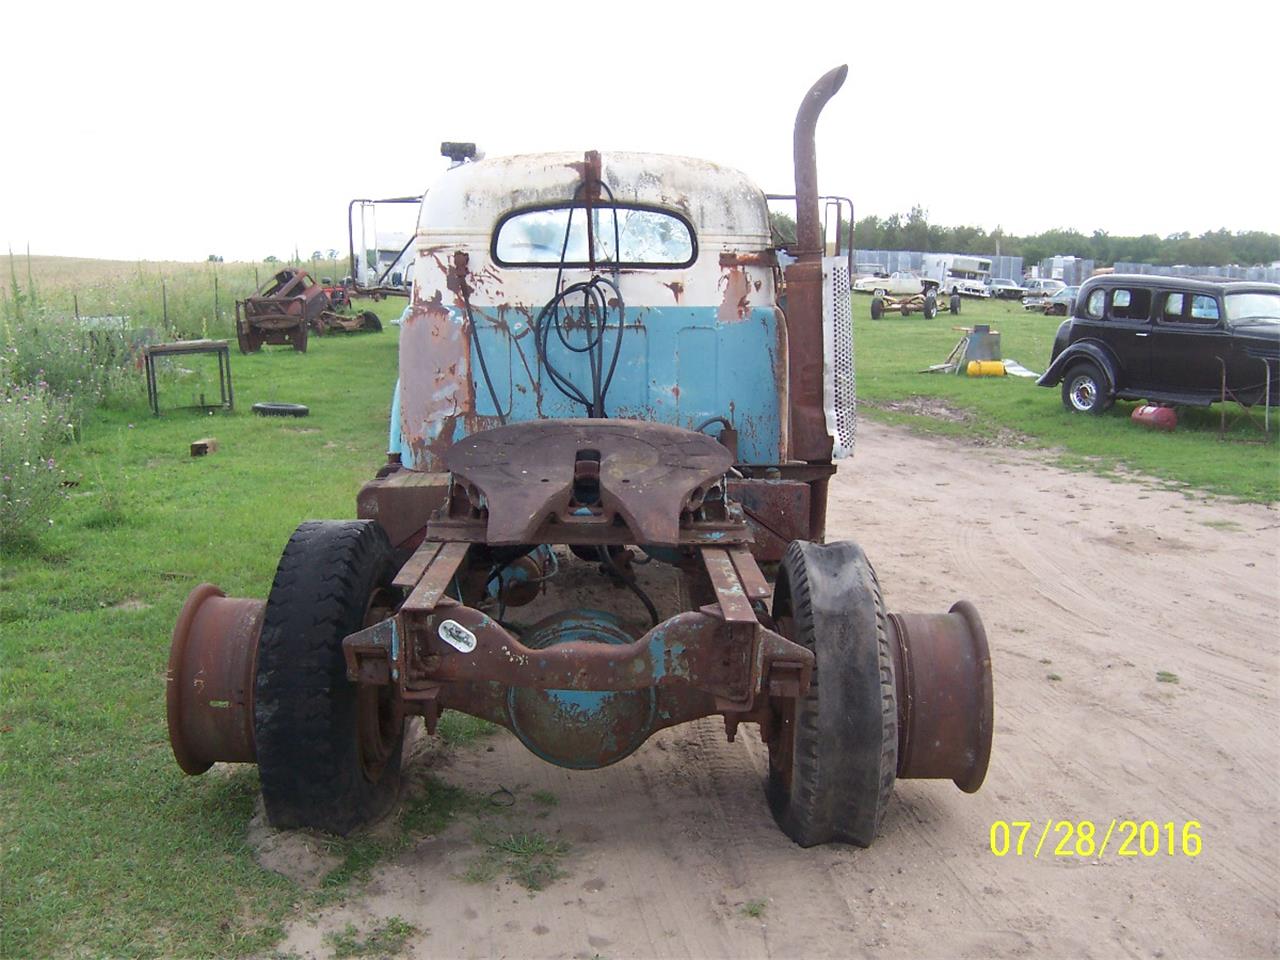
x,y
809,438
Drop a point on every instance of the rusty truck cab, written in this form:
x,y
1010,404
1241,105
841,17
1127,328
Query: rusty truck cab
x,y
692,335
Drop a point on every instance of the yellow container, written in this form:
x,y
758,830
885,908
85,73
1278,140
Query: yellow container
x,y
985,368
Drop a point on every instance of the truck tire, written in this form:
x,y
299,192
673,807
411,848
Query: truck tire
x,y
834,757
877,307
930,307
318,767
270,408
955,303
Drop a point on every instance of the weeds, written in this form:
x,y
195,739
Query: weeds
x,y
1164,676
754,908
162,867
385,940
530,859
34,422
72,343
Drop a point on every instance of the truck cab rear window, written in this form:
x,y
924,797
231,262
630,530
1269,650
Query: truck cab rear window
x,y
551,236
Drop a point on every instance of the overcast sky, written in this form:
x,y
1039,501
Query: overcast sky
x,y
178,130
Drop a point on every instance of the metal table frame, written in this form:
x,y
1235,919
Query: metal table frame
x,y
181,348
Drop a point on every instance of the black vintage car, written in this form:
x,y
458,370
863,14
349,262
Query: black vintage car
x,y
1168,340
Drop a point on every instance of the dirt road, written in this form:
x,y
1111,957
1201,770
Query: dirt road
x,y
1089,589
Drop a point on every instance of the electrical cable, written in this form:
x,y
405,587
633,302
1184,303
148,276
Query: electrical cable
x,y
709,421
595,304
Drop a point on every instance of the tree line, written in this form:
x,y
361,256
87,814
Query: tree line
x,y
1214,248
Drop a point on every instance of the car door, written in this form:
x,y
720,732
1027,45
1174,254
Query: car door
x,y
1123,323
1189,343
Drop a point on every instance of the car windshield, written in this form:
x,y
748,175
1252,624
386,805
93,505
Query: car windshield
x,y
1253,306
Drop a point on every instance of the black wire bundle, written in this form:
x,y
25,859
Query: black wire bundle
x,y
594,313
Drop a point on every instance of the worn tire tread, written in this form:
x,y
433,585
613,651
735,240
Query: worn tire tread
x,y
304,709
832,796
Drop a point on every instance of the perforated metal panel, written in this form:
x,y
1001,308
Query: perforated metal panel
x,y
838,385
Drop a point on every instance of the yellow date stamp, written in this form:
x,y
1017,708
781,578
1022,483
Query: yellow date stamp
x,y
1096,839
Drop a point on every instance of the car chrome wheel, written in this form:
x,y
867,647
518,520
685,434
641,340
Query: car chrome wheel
x,y
1084,393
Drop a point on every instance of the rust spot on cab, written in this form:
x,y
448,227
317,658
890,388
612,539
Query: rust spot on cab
x,y
737,295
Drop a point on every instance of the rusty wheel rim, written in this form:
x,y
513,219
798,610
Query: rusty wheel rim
x,y
376,729
187,758
782,737
378,722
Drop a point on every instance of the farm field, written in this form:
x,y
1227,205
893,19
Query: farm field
x,y
1090,589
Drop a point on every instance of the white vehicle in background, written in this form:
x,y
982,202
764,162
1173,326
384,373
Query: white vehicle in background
x,y
1042,286
897,284
967,275
1006,289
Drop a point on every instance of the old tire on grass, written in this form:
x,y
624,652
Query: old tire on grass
x,y
877,307
329,751
1085,390
272,409
954,303
369,322
834,755
930,307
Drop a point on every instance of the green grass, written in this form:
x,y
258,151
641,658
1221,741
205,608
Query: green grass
x,y
531,859
1005,410
754,908
461,729
107,848
385,939
1164,676
198,299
